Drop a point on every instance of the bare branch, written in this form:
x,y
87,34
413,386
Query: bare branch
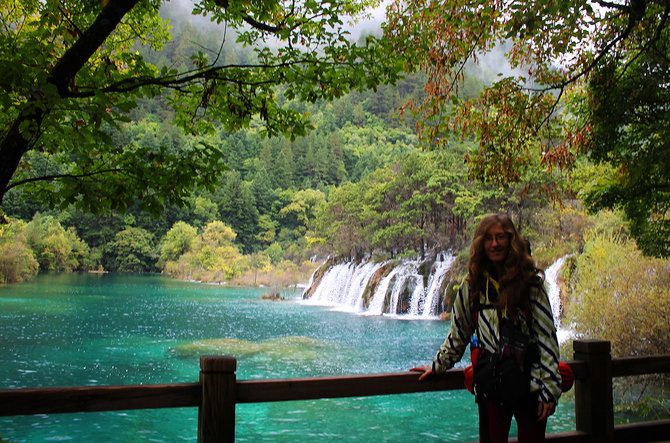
x,y
211,72
250,20
611,5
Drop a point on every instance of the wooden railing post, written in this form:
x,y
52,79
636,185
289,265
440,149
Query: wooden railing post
x,y
216,414
594,410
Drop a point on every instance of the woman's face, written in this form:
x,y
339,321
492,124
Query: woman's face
x,y
496,243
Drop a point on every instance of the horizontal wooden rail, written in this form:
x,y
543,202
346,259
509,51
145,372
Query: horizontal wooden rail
x,y
97,398
115,398
564,437
649,364
643,431
593,370
111,398
256,391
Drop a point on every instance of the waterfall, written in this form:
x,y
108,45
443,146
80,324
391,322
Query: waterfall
x,y
406,275
435,283
401,292
554,292
417,301
377,303
343,285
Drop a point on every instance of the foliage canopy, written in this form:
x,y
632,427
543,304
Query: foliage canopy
x,y
559,54
629,130
71,73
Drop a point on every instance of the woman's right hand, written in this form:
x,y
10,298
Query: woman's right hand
x,y
427,371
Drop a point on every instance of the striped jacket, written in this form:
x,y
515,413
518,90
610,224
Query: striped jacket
x,y
545,377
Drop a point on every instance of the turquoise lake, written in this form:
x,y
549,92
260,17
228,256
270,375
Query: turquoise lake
x,y
86,329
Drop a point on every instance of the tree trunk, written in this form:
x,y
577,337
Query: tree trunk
x,y
16,143
20,138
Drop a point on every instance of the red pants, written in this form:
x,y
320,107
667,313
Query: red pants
x,y
495,421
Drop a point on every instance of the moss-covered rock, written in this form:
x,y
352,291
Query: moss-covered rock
x,y
317,276
374,281
292,348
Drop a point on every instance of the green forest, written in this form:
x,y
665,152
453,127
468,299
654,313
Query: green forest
x,y
264,208
261,207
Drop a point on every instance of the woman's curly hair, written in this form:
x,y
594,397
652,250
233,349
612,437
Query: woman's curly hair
x,y
519,266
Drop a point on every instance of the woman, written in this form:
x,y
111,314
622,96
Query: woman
x,y
504,289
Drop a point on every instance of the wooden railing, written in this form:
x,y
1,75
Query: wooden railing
x,y
218,391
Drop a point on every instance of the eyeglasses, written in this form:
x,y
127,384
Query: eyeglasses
x,y
500,238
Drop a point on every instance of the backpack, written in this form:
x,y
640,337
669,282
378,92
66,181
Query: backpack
x,y
504,375
565,371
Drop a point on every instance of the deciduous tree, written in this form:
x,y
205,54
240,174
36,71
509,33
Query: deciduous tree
x,y
611,54
132,250
71,72
17,261
628,112
177,241
621,296
54,247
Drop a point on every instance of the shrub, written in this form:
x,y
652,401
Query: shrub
x,y
17,262
132,250
621,296
54,247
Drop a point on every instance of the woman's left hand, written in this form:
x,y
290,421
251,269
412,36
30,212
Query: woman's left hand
x,y
544,410
427,371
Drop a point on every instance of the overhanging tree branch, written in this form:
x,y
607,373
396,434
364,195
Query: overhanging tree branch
x,y
25,128
81,51
59,176
85,82
185,78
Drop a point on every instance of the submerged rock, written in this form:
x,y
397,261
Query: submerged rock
x,y
290,348
273,295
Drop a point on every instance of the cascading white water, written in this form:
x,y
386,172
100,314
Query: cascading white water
x,y
418,300
435,283
406,272
359,282
376,306
554,292
334,277
343,286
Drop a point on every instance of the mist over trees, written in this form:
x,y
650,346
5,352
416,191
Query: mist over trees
x,y
74,72
266,190
347,178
